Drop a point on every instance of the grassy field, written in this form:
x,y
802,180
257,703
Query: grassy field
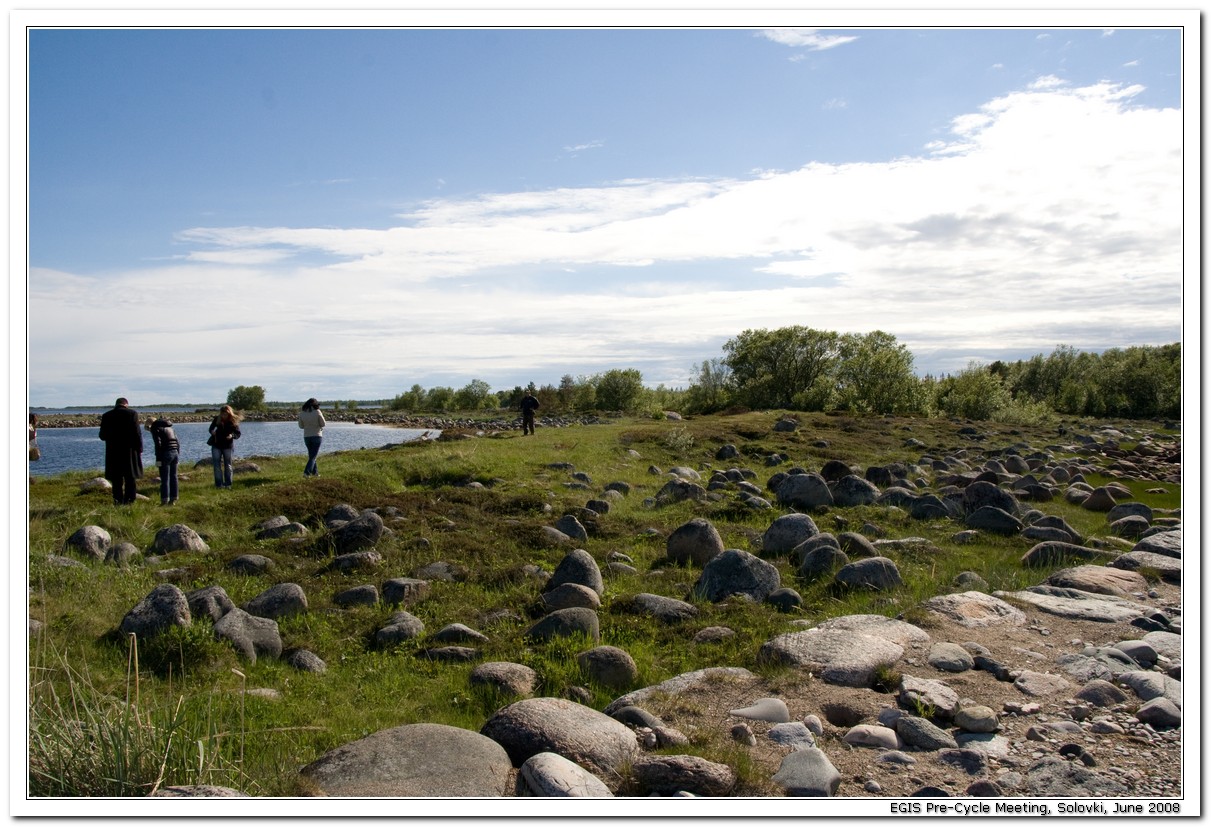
x,y
101,727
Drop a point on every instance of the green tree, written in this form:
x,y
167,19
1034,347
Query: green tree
x,y
776,368
439,400
411,400
620,390
875,375
977,392
246,397
473,396
714,390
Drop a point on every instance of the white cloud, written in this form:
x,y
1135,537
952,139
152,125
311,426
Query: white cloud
x,y
578,148
806,38
1049,215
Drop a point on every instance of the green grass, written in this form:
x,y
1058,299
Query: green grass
x,y
191,722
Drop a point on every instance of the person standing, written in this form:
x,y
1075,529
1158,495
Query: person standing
x,y
311,420
35,453
168,454
123,440
224,431
529,404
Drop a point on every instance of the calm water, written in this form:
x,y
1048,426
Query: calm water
x,y
80,449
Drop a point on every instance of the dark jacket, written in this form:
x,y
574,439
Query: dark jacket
x,y
225,433
165,439
529,404
123,439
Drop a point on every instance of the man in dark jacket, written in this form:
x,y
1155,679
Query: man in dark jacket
x,y
123,450
528,406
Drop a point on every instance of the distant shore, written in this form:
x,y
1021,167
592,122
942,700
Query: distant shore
x,y
497,420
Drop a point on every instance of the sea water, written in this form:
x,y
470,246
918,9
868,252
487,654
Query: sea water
x,y
81,449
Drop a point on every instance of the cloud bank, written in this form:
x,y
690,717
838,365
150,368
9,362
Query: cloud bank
x,y
1051,215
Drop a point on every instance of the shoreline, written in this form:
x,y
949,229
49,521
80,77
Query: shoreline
x,y
398,419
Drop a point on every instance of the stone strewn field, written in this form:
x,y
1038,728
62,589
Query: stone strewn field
x,y
1068,684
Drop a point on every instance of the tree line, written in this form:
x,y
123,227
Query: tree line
x,y
799,368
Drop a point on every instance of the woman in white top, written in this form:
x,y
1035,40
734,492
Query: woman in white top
x,y
311,420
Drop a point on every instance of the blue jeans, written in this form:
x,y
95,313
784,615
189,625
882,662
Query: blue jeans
x,y
221,459
313,451
168,477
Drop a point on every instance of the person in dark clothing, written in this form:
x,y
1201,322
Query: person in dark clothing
x,y
224,431
168,454
123,450
528,406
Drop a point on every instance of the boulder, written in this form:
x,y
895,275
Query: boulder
x,y
92,541
566,623
164,606
665,609
211,601
839,657
877,573
177,537
252,637
852,490
804,492
672,774
276,602
547,775
609,666
807,773
570,596
507,678
577,566
736,572
696,542
785,534
400,627
362,532
580,734
415,760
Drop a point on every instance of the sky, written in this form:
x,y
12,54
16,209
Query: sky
x,y
344,213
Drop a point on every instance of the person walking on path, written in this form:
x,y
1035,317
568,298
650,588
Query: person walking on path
x,y
529,404
123,440
311,420
168,454
224,431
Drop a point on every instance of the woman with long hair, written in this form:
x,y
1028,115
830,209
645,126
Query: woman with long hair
x,y
224,431
311,420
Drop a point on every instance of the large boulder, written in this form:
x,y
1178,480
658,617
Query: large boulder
x,y
178,538
804,492
210,601
583,735
164,606
362,532
736,572
852,490
981,493
251,636
877,573
991,518
696,542
785,534
566,623
414,761
282,600
91,541
579,567
840,656
547,775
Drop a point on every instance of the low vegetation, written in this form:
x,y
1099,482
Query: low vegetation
x,y
110,716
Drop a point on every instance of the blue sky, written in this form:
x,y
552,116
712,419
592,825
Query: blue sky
x,y
344,213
